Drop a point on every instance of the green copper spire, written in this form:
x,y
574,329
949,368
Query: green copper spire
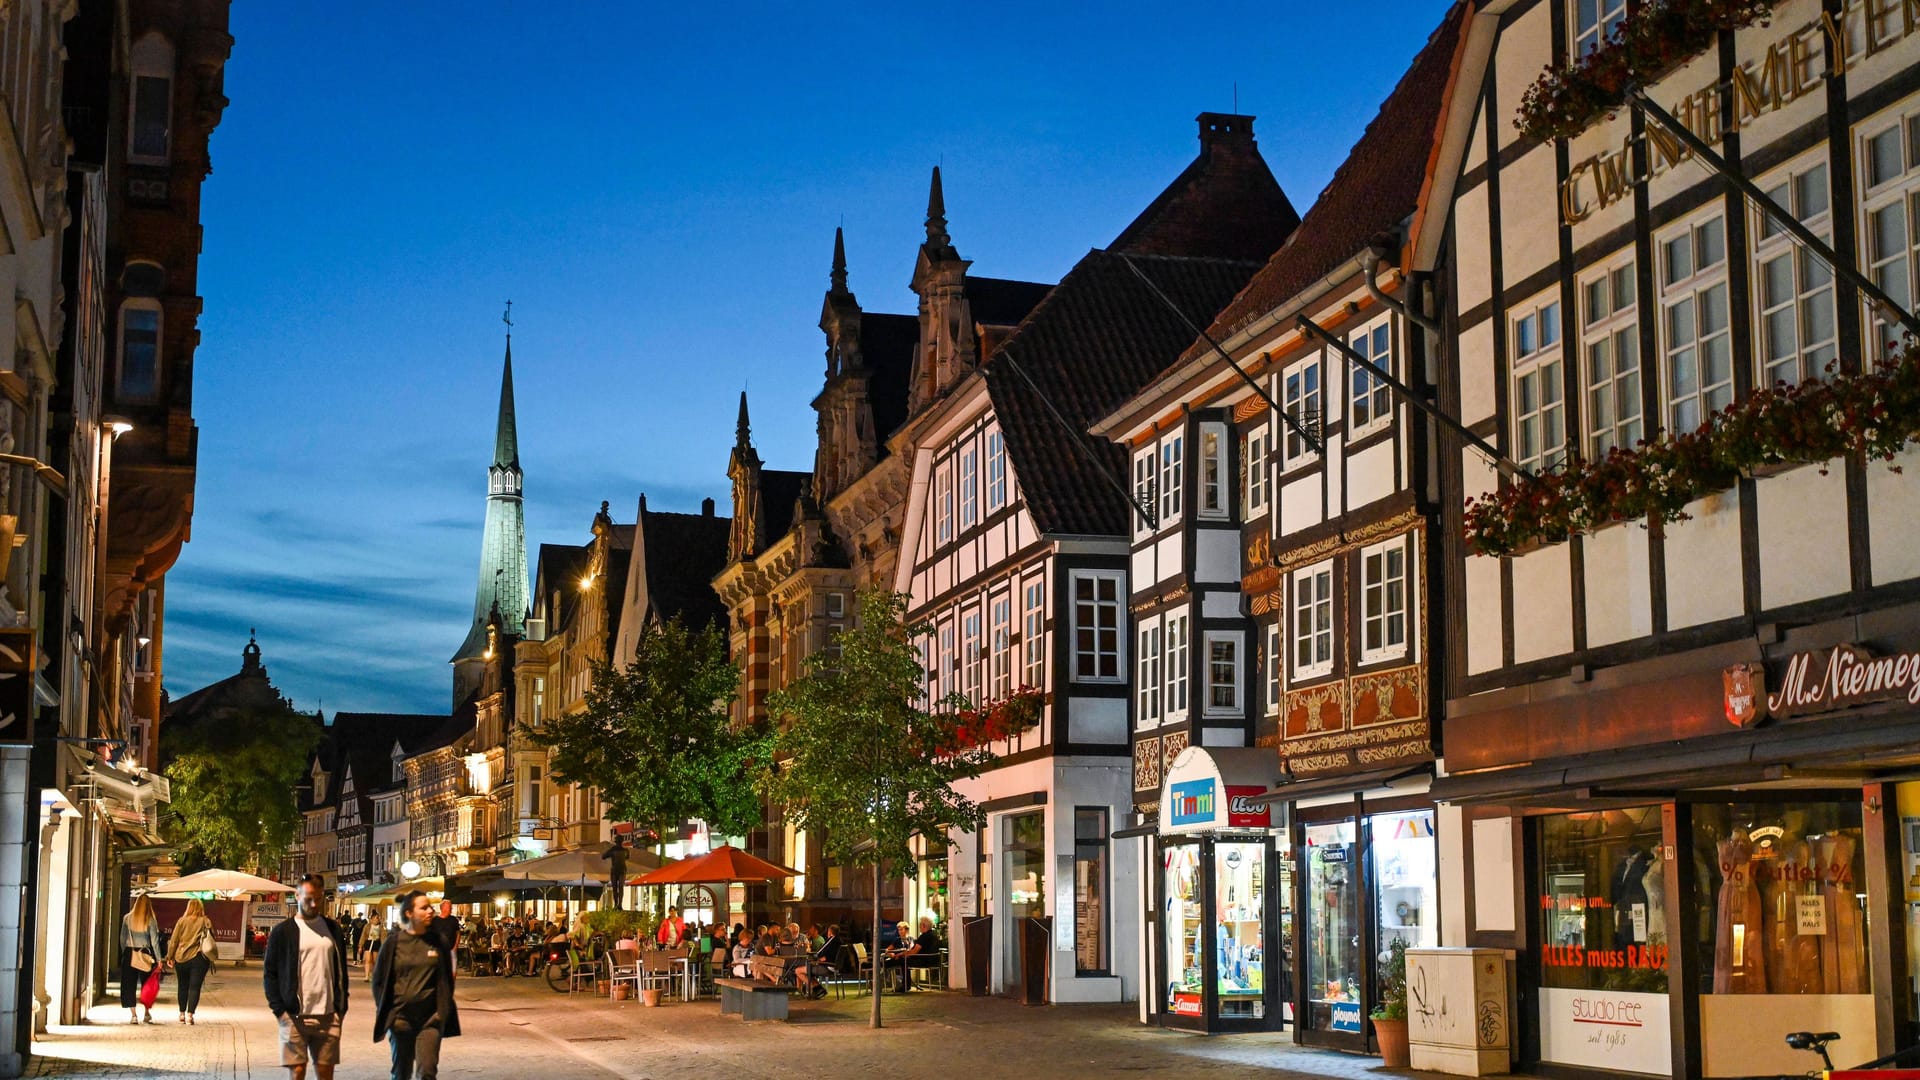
x,y
503,545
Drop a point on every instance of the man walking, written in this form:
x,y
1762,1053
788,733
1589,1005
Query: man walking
x,y
413,992
305,974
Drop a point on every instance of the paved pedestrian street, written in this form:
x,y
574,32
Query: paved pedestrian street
x,y
517,1028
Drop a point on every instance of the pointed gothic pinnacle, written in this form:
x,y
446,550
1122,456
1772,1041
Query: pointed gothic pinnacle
x,y
742,431
838,275
937,213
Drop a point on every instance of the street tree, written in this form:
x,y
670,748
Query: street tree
x,y
862,759
233,781
656,737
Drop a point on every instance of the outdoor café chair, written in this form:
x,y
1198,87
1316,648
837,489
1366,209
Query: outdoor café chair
x,y
623,966
580,968
656,969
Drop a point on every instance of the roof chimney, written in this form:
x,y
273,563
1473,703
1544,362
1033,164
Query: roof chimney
x,y
706,507
1225,129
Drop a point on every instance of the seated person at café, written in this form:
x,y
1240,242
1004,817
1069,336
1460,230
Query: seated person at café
x,y
809,975
922,951
497,947
742,955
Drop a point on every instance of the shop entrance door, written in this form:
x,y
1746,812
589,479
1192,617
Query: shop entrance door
x,y
1220,970
1023,839
1334,983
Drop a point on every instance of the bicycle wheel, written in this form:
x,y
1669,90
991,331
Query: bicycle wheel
x,y
557,976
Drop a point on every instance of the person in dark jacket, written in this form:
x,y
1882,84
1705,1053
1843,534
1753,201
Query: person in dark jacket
x,y
305,975
413,992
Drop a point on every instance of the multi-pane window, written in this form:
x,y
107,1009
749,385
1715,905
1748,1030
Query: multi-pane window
x,y
139,350
1313,621
943,503
1143,491
1273,668
1539,406
970,656
149,136
1223,670
969,487
1369,402
1096,625
1593,21
1698,370
1213,470
1792,287
947,667
1610,348
1253,470
1147,673
1890,181
1177,665
1300,396
836,605
1383,600
1033,633
996,470
1172,476
1001,626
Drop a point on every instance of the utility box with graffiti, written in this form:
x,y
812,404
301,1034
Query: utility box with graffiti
x,y
1459,1018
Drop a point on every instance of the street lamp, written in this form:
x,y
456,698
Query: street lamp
x,y
409,869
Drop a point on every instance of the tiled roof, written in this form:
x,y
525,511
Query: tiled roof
x,y
1376,189
1094,342
557,569
1001,301
1225,205
682,554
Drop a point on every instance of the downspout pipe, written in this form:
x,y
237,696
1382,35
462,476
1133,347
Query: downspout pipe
x,y
1379,249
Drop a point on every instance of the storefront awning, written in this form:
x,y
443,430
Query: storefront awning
x,y
1295,790
1210,788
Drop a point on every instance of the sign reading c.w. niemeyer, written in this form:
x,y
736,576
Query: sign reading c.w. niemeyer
x,y
1845,676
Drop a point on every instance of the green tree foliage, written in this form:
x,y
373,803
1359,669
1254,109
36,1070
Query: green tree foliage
x,y
656,739
233,787
864,761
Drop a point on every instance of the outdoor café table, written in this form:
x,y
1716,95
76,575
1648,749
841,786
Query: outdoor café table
x,y
689,968
774,969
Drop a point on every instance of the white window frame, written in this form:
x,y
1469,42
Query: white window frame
x,y
1804,187
1000,644
1145,477
1179,638
1376,648
1609,329
972,654
943,503
152,57
1303,394
1214,495
1275,672
996,470
1033,633
1148,687
1306,665
1173,471
1538,402
1235,646
1683,411
1114,584
947,666
1590,34
1897,271
1253,465
1366,392
969,483
836,605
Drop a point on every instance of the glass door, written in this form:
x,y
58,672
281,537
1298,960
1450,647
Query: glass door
x,y
1331,935
1185,926
1240,906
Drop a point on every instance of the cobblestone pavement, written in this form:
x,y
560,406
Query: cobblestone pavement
x,y
517,1028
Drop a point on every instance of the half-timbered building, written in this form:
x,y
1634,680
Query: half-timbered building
x,y
1681,733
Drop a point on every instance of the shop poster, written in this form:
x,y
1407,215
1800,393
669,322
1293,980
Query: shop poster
x,y
1346,1016
1606,1029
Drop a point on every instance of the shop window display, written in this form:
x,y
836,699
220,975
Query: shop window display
x,y
1786,884
1333,928
1240,892
1185,921
1405,863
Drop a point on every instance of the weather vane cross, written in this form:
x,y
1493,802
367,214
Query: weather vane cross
x,y
507,317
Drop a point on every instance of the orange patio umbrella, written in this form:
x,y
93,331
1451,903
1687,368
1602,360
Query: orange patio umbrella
x,y
721,866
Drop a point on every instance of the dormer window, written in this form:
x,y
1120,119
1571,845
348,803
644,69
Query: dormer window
x,y
150,136
319,783
399,771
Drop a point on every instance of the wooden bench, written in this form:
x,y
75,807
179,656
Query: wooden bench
x,y
752,1000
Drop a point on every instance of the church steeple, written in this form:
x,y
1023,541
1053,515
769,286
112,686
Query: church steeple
x,y
502,587
939,245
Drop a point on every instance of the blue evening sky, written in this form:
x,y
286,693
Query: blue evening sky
x,y
656,187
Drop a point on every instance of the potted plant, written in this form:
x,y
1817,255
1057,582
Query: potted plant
x,y
1390,1015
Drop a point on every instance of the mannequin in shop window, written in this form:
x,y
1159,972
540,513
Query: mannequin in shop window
x,y
1653,884
1627,890
1739,959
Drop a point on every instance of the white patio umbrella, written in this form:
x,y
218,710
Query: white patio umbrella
x,y
220,881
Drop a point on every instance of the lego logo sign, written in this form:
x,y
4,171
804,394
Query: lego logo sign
x,y
1243,812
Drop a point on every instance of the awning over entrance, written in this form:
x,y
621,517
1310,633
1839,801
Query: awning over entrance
x,y
1295,790
1211,788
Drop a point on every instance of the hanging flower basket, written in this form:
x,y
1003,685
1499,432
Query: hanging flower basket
x,y
1874,413
1656,38
996,720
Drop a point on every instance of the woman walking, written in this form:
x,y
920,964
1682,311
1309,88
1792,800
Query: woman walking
x,y
370,948
188,958
139,953
413,1001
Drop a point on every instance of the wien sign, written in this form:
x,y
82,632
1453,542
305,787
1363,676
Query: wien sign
x,y
1794,66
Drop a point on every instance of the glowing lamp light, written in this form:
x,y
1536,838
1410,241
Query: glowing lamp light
x,y
409,869
118,425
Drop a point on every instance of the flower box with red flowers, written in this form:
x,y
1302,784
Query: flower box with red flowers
x,y
1017,713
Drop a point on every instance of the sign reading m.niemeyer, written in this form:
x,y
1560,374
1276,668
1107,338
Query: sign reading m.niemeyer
x,y
1843,677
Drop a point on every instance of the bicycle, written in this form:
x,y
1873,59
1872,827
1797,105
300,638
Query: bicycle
x,y
564,959
1816,1042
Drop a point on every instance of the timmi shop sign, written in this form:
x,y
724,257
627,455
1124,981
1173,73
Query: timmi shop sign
x,y
1794,65
1845,676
